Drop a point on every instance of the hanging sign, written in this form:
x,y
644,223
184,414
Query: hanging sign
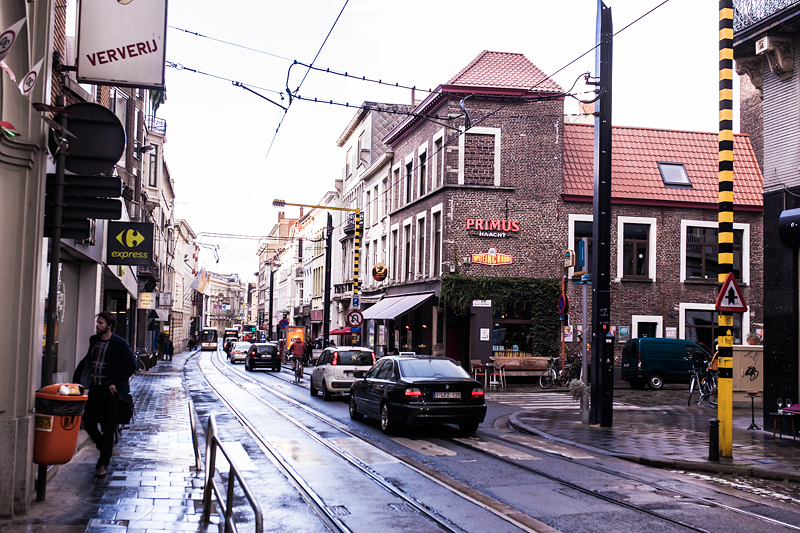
x,y
492,257
379,272
122,43
130,243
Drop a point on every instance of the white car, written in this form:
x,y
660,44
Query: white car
x,y
239,351
334,371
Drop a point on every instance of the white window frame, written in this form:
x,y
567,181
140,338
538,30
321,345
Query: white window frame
x,y
422,187
394,276
407,223
683,307
439,163
461,148
409,180
397,170
385,182
437,209
658,319
420,259
573,218
744,228
651,244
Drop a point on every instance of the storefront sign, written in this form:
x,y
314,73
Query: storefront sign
x,y
130,243
147,300
122,43
492,257
481,303
492,228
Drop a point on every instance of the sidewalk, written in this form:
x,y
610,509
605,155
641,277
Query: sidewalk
x,y
670,436
151,485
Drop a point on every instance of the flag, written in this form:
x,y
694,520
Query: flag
x,y
8,70
8,37
29,81
157,97
201,281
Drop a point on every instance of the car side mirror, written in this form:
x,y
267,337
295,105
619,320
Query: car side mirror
x,y
359,374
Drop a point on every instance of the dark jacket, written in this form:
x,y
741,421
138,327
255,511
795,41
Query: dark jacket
x,y
121,364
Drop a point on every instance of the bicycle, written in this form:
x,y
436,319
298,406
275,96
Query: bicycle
x,y
298,368
553,374
705,380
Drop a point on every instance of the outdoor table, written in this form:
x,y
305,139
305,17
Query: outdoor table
x,y
752,395
780,415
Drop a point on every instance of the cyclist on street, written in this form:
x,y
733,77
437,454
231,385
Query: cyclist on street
x,y
298,349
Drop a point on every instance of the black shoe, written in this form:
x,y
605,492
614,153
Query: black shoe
x,y
101,471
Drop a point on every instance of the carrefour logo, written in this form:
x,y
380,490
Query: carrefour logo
x,y
130,238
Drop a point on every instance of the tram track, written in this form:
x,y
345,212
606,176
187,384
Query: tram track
x,y
573,486
308,494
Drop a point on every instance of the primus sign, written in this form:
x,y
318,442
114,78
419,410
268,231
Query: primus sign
x,y
122,42
492,228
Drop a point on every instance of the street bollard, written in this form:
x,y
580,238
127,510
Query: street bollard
x,y
713,440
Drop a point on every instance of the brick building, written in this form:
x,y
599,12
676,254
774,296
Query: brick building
x,y
488,188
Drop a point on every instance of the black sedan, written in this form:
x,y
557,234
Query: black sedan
x,y
262,355
419,389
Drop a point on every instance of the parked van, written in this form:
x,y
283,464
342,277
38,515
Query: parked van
x,y
653,362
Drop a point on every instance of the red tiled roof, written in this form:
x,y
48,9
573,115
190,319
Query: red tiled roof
x,y
635,174
506,70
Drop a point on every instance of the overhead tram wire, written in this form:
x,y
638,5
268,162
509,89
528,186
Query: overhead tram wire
x,y
320,49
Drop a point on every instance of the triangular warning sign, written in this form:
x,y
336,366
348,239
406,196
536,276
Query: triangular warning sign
x,y
730,297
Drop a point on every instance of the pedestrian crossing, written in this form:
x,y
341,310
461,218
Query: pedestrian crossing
x,y
544,400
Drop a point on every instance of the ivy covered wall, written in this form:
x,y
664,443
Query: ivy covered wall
x,y
534,298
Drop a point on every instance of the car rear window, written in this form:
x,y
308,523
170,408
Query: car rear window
x,y
354,358
270,349
431,368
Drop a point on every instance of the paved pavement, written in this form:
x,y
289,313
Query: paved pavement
x,y
671,435
152,484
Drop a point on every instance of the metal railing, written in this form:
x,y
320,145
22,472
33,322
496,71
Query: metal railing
x,y
748,12
211,488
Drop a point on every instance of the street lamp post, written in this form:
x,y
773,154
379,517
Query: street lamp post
x,y
271,282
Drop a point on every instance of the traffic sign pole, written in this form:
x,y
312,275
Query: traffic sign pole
x,y
357,262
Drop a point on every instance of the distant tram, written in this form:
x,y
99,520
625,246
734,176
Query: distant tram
x,y
230,332
208,339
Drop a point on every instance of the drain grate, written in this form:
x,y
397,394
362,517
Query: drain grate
x,y
338,510
403,507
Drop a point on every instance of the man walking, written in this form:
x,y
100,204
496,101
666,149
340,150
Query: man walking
x,y
104,371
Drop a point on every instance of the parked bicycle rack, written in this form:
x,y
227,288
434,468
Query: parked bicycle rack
x,y
212,443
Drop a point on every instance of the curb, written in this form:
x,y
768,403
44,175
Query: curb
x,y
692,466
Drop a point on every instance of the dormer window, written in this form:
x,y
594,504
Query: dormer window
x,y
674,174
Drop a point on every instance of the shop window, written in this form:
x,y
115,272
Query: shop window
x,y
512,337
636,248
700,326
700,251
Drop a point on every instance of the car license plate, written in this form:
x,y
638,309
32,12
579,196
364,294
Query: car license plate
x,y
348,374
456,395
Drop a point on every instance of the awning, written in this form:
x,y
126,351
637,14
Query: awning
x,y
162,315
340,331
393,307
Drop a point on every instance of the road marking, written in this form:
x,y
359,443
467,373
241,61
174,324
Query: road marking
x,y
549,447
239,456
297,453
367,453
496,449
424,447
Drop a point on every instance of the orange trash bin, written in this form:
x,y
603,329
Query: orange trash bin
x,y
57,419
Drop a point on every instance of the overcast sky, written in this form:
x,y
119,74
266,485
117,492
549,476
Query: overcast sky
x,y
219,135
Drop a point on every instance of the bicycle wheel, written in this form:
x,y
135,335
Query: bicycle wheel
x,y
691,389
710,391
547,378
298,371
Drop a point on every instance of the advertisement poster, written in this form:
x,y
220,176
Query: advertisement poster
x,y
382,335
295,332
568,334
624,333
371,333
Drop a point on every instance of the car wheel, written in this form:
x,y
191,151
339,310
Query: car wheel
x,y
248,366
311,387
469,428
277,368
386,419
655,381
638,384
354,414
326,394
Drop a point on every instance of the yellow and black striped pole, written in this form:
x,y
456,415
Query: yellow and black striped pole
x,y
356,263
725,220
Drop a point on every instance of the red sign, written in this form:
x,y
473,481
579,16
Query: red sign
x,y
492,257
379,272
481,224
354,318
730,297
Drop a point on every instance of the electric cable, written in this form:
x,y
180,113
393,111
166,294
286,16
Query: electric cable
x,y
320,49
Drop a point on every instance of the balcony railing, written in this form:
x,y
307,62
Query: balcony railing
x,y
350,223
157,125
748,12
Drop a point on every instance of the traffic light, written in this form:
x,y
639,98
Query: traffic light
x,y
85,198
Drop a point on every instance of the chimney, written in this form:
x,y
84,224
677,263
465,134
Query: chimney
x,y
301,212
280,216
